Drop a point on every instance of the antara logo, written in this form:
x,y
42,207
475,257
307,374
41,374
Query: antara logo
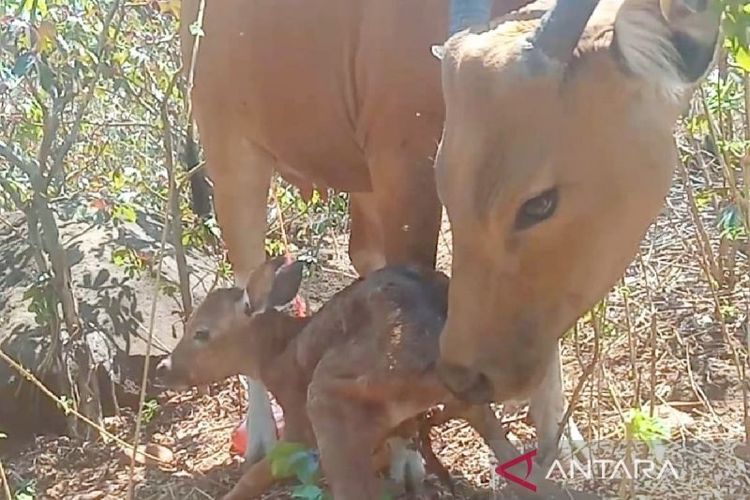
x,y
527,457
602,469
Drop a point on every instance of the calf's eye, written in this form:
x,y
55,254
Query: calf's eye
x,y
537,209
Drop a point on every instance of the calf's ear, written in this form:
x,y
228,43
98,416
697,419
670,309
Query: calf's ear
x,y
286,284
274,283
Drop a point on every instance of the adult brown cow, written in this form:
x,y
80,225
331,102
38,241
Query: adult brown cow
x,y
556,156
338,93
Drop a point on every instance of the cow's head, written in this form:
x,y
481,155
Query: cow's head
x,y
556,156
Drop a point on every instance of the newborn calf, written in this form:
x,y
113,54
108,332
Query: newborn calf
x,y
346,378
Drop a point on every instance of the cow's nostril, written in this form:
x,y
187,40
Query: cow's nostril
x,y
465,383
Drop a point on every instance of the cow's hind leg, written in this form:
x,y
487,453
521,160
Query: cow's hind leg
x,y
241,173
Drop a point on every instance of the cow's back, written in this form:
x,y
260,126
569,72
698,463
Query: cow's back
x,y
322,85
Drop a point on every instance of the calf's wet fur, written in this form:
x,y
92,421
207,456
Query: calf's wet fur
x,y
350,378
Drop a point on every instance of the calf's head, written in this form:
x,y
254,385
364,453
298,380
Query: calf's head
x,y
234,331
556,156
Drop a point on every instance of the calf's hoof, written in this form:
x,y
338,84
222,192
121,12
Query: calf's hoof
x,y
407,471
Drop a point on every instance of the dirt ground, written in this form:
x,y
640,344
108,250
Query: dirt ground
x,y
668,338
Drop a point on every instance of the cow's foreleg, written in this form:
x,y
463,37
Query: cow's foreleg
x,y
241,173
547,409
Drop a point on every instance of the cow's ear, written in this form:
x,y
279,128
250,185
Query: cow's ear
x,y
273,284
670,42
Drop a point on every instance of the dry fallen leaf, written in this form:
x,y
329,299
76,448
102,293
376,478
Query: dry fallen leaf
x,y
91,495
149,454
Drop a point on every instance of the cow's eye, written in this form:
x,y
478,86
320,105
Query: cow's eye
x,y
537,209
202,335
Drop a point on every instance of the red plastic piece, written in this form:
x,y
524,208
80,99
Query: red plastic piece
x,y
239,435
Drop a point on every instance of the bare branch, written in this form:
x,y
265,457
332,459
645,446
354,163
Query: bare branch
x,y
12,158
101,47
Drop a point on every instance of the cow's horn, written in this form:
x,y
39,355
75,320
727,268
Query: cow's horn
x,y
561,28
466,13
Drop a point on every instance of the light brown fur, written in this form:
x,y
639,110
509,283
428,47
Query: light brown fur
x,y
342,94
598,131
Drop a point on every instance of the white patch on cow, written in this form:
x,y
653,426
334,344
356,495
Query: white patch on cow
x,y
645,44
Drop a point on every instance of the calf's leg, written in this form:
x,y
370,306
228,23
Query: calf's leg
x,y
347,433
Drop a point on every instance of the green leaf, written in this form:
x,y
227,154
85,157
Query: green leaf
x,y
196,29
65,404
743,58
119,256
646,428
125,213
41,6
118,180
27,491
305,465
730,223
280,457
308,492
46,77
23,63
